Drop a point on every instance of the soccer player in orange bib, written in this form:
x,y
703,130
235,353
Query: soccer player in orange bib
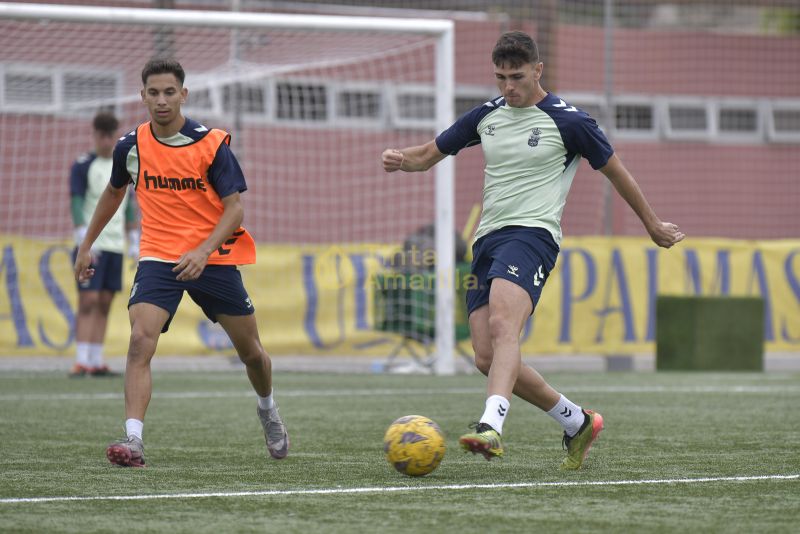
x,y
187,183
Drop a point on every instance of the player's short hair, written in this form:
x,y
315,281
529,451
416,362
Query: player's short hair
x,y
105,122
159,65
515,48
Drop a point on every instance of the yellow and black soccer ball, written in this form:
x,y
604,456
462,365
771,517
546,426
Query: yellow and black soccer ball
x,y
414,445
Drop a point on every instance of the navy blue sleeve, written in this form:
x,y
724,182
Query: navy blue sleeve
x,y
120,177
79,176
225,175
585,137
464,132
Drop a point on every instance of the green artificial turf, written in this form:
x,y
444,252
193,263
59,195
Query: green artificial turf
x,y
202,437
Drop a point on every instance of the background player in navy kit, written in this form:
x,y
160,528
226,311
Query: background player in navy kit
x,y
532,143
88,179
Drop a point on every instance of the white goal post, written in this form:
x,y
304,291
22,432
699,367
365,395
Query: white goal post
x,y
442,31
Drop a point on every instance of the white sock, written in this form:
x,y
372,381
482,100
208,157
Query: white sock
x,y
568,414
265,403
133,428
82,356
495,413
95,354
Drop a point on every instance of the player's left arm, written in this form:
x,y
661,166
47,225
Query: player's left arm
x,y
190,266
663,234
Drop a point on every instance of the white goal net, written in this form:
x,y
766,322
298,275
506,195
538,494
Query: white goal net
x,y
310,101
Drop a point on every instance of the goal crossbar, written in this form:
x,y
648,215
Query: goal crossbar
x,y
228,19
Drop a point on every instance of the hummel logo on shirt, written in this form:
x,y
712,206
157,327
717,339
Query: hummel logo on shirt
x,y
177,184
512,269
562,104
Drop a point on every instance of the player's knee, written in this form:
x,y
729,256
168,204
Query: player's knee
x,y
87,304
252,354
483,359
142,344
499,327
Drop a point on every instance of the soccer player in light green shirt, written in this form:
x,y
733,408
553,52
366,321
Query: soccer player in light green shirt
x,y
532,144
88,178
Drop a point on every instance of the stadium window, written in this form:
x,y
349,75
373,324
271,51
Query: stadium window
x,y
783,121
200,99
633,117
305,102
416,106
739,120
687,119
244,98
82,88
683,118
28,91
358,104
413,106
46,89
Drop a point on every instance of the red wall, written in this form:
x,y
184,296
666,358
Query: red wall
x,y
308,185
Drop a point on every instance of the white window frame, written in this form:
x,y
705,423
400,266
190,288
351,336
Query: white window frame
x,y
413,90
72,108
272,95
58,105
377,88
639,134
34,70
706,134
755,136
771,107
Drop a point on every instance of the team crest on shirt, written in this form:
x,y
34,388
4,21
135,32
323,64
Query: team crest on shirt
x,y
533,140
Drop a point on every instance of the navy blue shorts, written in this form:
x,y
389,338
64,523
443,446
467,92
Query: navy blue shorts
x,y
218,291
522,255
107,272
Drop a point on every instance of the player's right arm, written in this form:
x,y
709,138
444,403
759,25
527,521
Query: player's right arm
x,y
460,134
412,159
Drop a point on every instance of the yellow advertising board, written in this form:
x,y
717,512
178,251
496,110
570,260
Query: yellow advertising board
x,y
319,299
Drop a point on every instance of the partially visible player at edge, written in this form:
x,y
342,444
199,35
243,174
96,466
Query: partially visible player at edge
x,y
532,143
191,241
87,180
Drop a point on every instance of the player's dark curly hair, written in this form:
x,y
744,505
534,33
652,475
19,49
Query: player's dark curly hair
x,y
163,66
515,49
105,122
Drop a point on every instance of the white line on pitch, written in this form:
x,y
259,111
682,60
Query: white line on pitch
x,y
402,391
240,394
394,489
